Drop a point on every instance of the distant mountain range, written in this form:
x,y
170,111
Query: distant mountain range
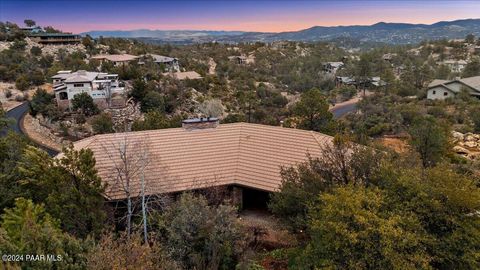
x,y
389,33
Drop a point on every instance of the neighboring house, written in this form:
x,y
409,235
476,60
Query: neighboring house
x,y
454,65
245,158
104,88
241,59
369,82
442,89
389,56
116,59
192,75
54,38
339,81
332,67
415,51
32,30
170,63
377,82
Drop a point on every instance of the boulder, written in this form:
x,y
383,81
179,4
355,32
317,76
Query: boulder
x,y
457,135
469,137
460,150
471,144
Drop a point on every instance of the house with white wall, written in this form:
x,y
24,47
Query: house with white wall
x,y
455,65
105,89
332,67
443,89
171,63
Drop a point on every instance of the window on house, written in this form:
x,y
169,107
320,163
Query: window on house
x,y
63,95
445,93
78,85
434,92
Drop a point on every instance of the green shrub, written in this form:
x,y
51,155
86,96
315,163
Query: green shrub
x,y
102,123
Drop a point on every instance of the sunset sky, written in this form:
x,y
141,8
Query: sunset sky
x,y
266,16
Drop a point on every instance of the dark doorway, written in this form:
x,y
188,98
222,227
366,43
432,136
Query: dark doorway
x,y
254,199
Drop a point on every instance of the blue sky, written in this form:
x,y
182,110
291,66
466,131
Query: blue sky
x,y
271,16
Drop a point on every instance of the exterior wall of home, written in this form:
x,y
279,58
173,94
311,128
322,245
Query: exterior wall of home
x,y
56,81
72,90
438,93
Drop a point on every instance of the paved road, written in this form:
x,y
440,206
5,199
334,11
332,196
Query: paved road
x,y
342,110
17,113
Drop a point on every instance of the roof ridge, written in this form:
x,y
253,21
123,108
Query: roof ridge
x,y
92,141
91,138
313,133
237,163
242,125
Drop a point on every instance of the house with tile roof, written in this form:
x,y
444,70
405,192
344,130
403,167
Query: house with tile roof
x,y
116,59
243,157
105,89
171,63
442,89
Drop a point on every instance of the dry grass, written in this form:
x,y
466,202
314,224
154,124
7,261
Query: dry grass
x,y
398,145
268,232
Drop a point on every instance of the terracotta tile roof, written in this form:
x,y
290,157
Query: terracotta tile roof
x,y
178,159
116,57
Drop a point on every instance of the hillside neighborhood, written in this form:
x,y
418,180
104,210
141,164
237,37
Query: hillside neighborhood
x,y
117,153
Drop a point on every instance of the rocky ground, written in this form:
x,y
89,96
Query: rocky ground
x,y
211,66
15,96
50,49
397,144
467,145
124,117
41,134
54,49
10,96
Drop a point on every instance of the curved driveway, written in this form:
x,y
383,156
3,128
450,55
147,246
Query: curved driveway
x,y
18,113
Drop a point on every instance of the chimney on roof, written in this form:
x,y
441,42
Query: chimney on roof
x,y
200,123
